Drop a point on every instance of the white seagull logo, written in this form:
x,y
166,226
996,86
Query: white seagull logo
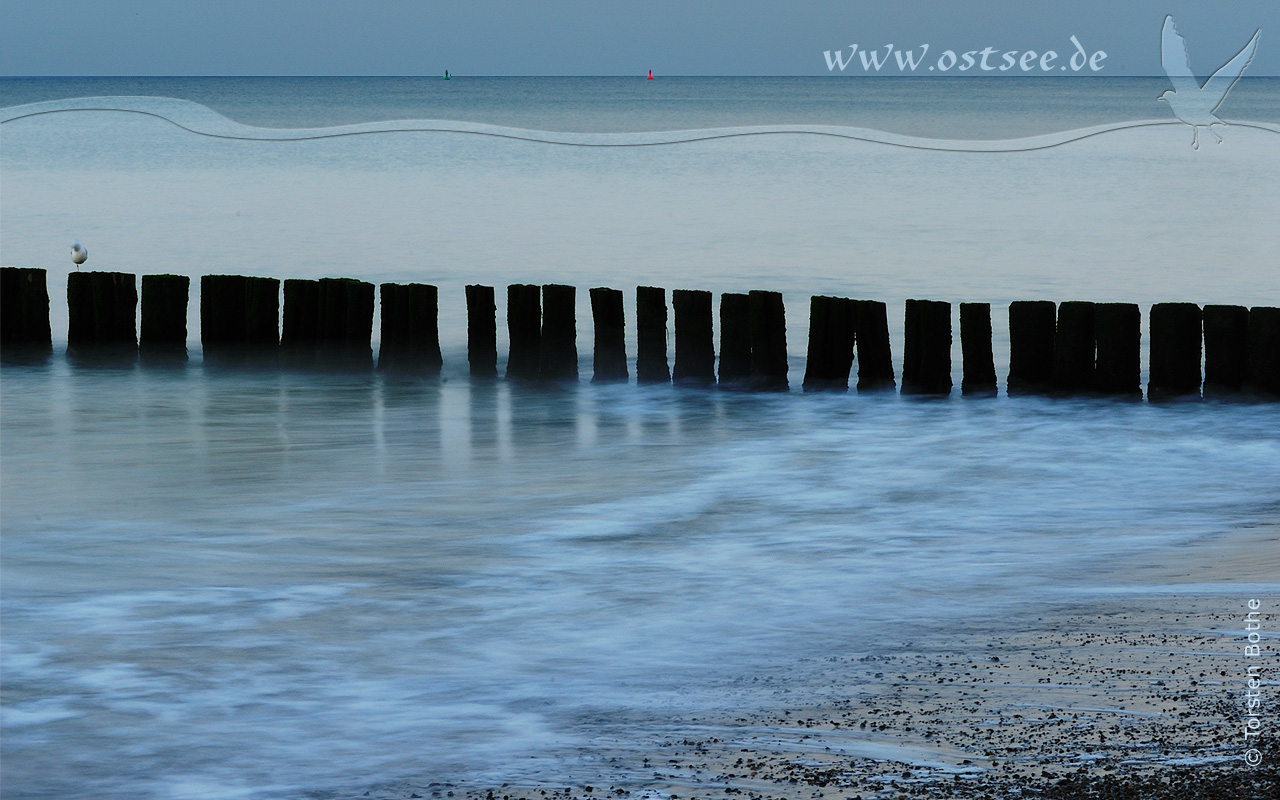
x,y
1192,103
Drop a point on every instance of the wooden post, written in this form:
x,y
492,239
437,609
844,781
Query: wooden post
x,y
482,331
239,318
735,340
975,347
1032,330
164,317
1226,350
345,323
833,323
25,335
559,354
1175,351
875,360
926,363
300,335
1117,333
1074,348
651,335
695,342
610,359
524,326
410,329
768,341
102,315
1264,351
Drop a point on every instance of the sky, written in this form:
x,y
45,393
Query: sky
x,y
576,37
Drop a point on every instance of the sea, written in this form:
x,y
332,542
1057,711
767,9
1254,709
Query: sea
x,y
220,583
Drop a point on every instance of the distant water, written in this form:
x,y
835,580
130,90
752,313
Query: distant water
x,y
223,584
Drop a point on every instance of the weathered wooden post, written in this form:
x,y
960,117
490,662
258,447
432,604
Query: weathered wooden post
x,y
1032,330
164,318
300,334
768,320
239,318
559,353
695,342
735,340
1074,348
410,339
1264,351
833,323
1117,332
926,362
482,331
1175,351
102,312
1226,349
875,360
975,348
610,360
25,335
651,335
524,326
346,323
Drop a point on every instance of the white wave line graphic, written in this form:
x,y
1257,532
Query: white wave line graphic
x,y
203,121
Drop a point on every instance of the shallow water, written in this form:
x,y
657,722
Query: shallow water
x,y
218,583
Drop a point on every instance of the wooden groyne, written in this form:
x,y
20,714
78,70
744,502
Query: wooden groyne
x,y
1072,348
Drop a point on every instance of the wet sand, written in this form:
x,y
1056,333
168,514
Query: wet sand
x,y
1134,690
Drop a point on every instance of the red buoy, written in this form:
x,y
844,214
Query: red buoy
x,y
650,75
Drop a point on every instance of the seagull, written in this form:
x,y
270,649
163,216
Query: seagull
x,y
78,254
1192,103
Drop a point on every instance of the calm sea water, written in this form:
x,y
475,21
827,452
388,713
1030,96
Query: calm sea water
x,y
226,584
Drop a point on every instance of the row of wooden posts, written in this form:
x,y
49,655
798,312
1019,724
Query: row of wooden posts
x,y
1066,348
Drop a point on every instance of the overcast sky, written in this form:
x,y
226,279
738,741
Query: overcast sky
x,y
577,37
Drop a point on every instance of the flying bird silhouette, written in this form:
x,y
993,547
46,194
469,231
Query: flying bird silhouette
x,y
1192,103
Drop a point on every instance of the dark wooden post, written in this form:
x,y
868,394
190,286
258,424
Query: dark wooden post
x,y
222,313
345,323
239,317
975,347
559,355
1175,351
25,335
768,341
651,335
1117,331
524,326
875,359
300,334
1226,349
735,340
1032,329
262,314
482,331
833,323
926,362
1074,348
102,315
410,329
610,360
695,342
1264,351
164,317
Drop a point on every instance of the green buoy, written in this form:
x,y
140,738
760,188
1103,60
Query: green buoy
x,y
446,74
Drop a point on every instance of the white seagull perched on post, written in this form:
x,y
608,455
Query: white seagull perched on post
x,y
1192,103
78,254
